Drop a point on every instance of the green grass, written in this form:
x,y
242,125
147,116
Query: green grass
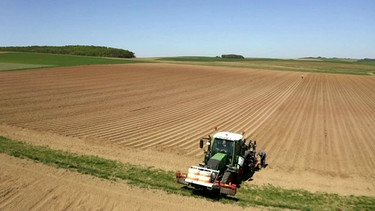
x,y
152,178
21,61
341,66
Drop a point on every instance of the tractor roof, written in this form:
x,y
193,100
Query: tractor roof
x,y
228,136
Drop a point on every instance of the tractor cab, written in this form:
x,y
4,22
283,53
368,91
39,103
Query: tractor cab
x,y
224,148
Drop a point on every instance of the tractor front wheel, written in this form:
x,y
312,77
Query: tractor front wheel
x,y
227,177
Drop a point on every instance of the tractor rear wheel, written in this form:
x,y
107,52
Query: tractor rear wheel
x,y
249,165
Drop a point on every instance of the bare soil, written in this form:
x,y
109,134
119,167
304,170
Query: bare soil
x,y
317,131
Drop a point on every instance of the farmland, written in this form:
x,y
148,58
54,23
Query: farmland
x,y
318,131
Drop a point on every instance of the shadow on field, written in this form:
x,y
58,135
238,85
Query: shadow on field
x,y
211,195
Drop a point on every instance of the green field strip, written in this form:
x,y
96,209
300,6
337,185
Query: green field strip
x,y
22,61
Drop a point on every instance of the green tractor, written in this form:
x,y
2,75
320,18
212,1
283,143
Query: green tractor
x,y
228,161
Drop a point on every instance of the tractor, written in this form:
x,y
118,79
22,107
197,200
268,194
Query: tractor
x,y
228,161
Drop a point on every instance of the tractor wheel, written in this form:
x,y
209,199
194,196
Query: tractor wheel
x,y
248,166
227,177
247,158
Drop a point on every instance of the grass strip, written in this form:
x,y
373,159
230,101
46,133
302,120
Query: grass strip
x,y
149,177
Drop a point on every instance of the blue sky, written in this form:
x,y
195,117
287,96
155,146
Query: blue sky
x,y
252,28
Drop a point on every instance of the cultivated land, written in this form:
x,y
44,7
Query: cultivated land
x,y
318,131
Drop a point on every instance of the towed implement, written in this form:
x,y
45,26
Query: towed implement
x,y
228,161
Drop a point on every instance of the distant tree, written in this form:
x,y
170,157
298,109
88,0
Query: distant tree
x,y
232,56
366,60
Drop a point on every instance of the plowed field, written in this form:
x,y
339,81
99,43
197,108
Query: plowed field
x,y
318,131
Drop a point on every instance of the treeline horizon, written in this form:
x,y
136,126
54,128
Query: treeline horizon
x,y
80,50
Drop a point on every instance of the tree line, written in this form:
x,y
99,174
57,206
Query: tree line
x,y
232,56
81,50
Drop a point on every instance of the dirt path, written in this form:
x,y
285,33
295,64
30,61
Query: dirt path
x,y
318,131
